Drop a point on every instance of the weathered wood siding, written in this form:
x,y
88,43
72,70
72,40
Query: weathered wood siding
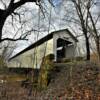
x,y
33,57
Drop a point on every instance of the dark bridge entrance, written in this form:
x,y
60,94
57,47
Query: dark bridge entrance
x,y
61,48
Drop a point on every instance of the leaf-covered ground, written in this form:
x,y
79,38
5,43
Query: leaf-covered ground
x,y
71,81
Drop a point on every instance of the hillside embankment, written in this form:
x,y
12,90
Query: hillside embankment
x,y
69,81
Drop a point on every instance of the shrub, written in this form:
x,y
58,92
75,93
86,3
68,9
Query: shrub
x,y
46,67
50,57
79,58
66,60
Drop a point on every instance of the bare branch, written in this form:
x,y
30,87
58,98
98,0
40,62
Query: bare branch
x,y
11,39
12,6
4,4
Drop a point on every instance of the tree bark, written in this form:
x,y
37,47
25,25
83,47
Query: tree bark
x,y
98,47
2,21
87,48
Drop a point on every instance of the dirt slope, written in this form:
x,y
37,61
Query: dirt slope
x,y
73,81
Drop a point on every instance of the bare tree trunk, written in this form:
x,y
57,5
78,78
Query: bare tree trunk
x,y
98,47
95,34
2,20
87,48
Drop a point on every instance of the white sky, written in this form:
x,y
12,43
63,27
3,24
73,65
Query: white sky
x,y
31,14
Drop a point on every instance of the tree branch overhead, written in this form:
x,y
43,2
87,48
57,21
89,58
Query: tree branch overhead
x,y
8,11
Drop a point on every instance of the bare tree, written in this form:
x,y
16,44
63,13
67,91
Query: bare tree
x,y
93,28
80,14
10,10
80,6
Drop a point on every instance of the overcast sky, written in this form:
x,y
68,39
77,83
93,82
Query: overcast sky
x,y
32,14
31,19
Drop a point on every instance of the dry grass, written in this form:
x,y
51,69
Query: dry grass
x,y
94,58
74,81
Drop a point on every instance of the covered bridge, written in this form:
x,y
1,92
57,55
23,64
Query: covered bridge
x,y
61,43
